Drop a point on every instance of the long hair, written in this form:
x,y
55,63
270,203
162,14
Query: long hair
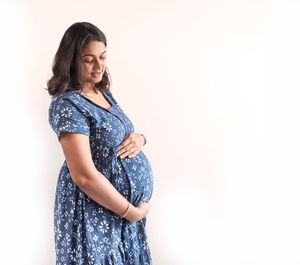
x,y
65,76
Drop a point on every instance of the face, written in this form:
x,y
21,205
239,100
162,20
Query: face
x,y
92,65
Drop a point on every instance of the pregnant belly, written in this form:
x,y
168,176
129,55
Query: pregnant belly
x,y
139,175
132,177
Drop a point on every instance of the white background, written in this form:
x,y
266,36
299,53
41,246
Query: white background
x,y
214,86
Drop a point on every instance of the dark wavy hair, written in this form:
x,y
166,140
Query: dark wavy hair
x,y
65,77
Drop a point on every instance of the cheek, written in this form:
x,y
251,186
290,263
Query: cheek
x,y
86,69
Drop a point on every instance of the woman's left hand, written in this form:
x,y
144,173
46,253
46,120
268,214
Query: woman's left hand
x,y
131,145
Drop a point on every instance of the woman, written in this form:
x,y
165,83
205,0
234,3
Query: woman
x,y
106,181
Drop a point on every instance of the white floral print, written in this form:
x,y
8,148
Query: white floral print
x,y
85,232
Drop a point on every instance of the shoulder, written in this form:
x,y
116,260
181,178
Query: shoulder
x,y
67,107
68,99
66,114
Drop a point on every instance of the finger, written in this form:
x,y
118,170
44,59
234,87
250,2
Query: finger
x,y
133,154
134,151
123,148
131,150
127,148
125,142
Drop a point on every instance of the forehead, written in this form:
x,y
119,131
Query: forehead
x,y
94,48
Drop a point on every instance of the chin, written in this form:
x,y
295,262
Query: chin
x,y
96,80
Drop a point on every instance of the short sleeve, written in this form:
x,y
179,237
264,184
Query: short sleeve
x,y
64,116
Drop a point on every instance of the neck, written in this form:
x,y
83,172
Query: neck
x,y
89,88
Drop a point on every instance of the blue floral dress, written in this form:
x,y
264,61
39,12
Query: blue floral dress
x,y
85,232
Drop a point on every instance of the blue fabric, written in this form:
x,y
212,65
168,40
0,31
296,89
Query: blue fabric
x,y
85,232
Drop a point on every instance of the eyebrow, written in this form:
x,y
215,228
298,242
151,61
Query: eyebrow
x,y
89,54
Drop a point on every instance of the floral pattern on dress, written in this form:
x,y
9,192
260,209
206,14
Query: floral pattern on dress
x,y
85,232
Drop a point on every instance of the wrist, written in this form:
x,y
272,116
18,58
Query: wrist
x,y
145,141
133,214
127,210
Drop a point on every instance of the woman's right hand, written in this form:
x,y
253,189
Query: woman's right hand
x,y
139,212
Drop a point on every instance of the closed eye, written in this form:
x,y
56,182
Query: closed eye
x,y
102,58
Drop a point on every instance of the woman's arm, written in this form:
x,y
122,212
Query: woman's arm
x,y
76,148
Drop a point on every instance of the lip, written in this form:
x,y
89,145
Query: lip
x,y
97,74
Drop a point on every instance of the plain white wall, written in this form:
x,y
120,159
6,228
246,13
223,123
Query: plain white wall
x,y
214,86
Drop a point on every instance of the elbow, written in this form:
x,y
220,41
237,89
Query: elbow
x,y
84,179
79,180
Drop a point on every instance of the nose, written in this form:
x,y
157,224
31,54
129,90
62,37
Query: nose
x,y
98,65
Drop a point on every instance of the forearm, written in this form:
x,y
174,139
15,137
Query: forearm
x,y
99,188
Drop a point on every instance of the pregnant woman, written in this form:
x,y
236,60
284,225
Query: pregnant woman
x,y
105,183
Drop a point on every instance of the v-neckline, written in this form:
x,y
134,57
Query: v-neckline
x,y
104,95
